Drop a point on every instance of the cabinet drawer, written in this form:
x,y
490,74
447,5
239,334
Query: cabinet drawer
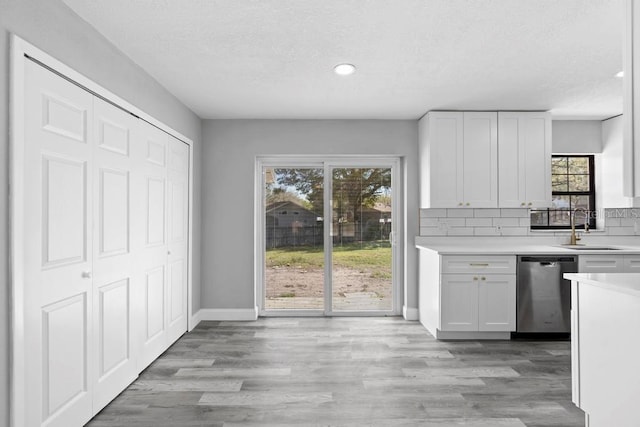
x,y
632,263
600,263
465,264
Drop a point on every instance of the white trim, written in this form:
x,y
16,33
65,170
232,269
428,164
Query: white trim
x,y
20,48
195,320
229,314
410,313
17,398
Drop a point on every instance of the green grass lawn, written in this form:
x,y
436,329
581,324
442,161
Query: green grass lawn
x,y
374,258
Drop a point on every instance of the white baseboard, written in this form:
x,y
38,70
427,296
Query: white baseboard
x,y
232,314
410,313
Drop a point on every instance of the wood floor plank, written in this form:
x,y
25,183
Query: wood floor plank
x,y
347,372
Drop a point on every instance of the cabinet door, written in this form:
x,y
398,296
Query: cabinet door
x,y
480,158
511,158
443,155
536,145
497,302
459,302
600,263
524,153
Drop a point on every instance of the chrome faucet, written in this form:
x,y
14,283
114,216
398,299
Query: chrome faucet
x,y
572,219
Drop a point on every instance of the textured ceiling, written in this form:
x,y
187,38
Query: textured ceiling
x,y
274,58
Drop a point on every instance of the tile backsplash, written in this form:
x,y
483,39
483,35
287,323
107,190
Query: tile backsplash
x,y
513,222
474,222
622,221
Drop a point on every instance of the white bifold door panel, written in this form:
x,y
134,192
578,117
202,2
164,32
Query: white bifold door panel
x,y
114,275
106,215
177,237
58,293
152,297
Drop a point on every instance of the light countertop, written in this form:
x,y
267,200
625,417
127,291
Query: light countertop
x,y
628,283
522,246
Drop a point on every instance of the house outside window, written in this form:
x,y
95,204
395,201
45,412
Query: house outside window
x,y
572,187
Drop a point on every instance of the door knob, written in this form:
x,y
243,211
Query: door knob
x,y
86,275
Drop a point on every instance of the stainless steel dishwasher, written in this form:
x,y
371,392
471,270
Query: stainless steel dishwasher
x,y
543,296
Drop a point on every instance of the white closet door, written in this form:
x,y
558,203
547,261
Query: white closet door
x,y
114,276
58,286
178,232
151,238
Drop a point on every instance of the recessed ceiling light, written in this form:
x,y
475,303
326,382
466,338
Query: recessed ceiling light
x,y
344,69
620,74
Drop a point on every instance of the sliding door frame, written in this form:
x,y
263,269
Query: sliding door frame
x,y
328,163
22,51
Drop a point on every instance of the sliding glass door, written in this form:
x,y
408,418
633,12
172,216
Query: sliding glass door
x,y
327,234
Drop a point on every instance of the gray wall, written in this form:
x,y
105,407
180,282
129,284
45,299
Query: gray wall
x,y
576,136
230,148
51,26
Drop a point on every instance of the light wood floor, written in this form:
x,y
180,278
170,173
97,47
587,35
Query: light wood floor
x,y
346,372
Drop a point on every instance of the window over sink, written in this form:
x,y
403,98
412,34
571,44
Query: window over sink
x,y
572,187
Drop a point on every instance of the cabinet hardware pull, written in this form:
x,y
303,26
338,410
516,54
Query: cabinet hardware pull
x,y
86,275
483,278
468,204
475,278
460,204
479,264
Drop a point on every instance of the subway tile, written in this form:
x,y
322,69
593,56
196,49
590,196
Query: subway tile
x,y
453,222
431,213
514,231
514,213
612,222
629,222
525,222
460,213
485,231
621,231
432,231
506,222
460,231
486,213
616,212
429,222
479,222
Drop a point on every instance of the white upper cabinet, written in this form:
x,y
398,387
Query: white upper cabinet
x,y
631,101
524,153
458,157
485,159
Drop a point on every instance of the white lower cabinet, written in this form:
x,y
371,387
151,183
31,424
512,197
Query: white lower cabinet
x,y
609,263
477,301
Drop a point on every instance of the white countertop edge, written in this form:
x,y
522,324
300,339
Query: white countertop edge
x,y
522,246
628,283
